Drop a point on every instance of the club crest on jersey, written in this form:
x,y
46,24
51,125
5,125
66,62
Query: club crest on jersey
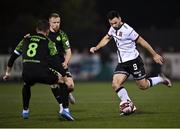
x,y
58,38
120,34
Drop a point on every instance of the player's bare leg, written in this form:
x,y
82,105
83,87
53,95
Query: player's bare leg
x,y
118,80
64,108
153,81
71,97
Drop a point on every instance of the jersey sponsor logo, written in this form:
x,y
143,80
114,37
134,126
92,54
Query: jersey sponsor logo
x,y
67,43
120,34
139,75
137,72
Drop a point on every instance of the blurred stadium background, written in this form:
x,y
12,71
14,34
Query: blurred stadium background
x,y
85,23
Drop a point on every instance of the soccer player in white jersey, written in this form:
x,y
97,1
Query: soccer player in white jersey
x,y
129,60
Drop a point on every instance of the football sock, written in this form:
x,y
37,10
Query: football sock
x,y
155,80
56,92
70,90
122,94
26,93
26,111
65,95
61,108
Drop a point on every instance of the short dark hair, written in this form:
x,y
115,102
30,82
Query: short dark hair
x,y
42,25
112,14
54,15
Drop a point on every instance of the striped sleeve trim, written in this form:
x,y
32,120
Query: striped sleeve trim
x,y
18,53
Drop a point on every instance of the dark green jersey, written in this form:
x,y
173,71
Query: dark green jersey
x,y
62,42
36,49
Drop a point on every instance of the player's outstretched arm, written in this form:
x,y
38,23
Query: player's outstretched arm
x,y
28,35
102,43
67,57
156,57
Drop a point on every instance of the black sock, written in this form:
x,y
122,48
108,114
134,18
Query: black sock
x,y
65,95
26,93
150,81
119,89
70,90
57,93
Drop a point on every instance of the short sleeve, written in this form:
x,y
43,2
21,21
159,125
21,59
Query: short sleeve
x,y
65,40
19,48
110,32
133,35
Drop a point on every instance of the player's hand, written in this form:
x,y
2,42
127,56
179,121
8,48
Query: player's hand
x,y
27,35
93,49
65,65
6,76
158,59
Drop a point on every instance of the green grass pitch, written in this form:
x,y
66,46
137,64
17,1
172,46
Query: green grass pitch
x,y
96,107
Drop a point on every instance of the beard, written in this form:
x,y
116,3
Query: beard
x,y
117,28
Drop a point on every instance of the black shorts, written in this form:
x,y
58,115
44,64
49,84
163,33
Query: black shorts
x,y
35,73
57,66
134,67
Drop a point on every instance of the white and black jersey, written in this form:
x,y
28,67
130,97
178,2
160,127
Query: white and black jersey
x,y
125,38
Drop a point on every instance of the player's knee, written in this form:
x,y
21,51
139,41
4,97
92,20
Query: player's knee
x,y
70,85
60,79
143,86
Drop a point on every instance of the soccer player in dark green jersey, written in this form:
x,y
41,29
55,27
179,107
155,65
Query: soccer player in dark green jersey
x,y
64,54
36,51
